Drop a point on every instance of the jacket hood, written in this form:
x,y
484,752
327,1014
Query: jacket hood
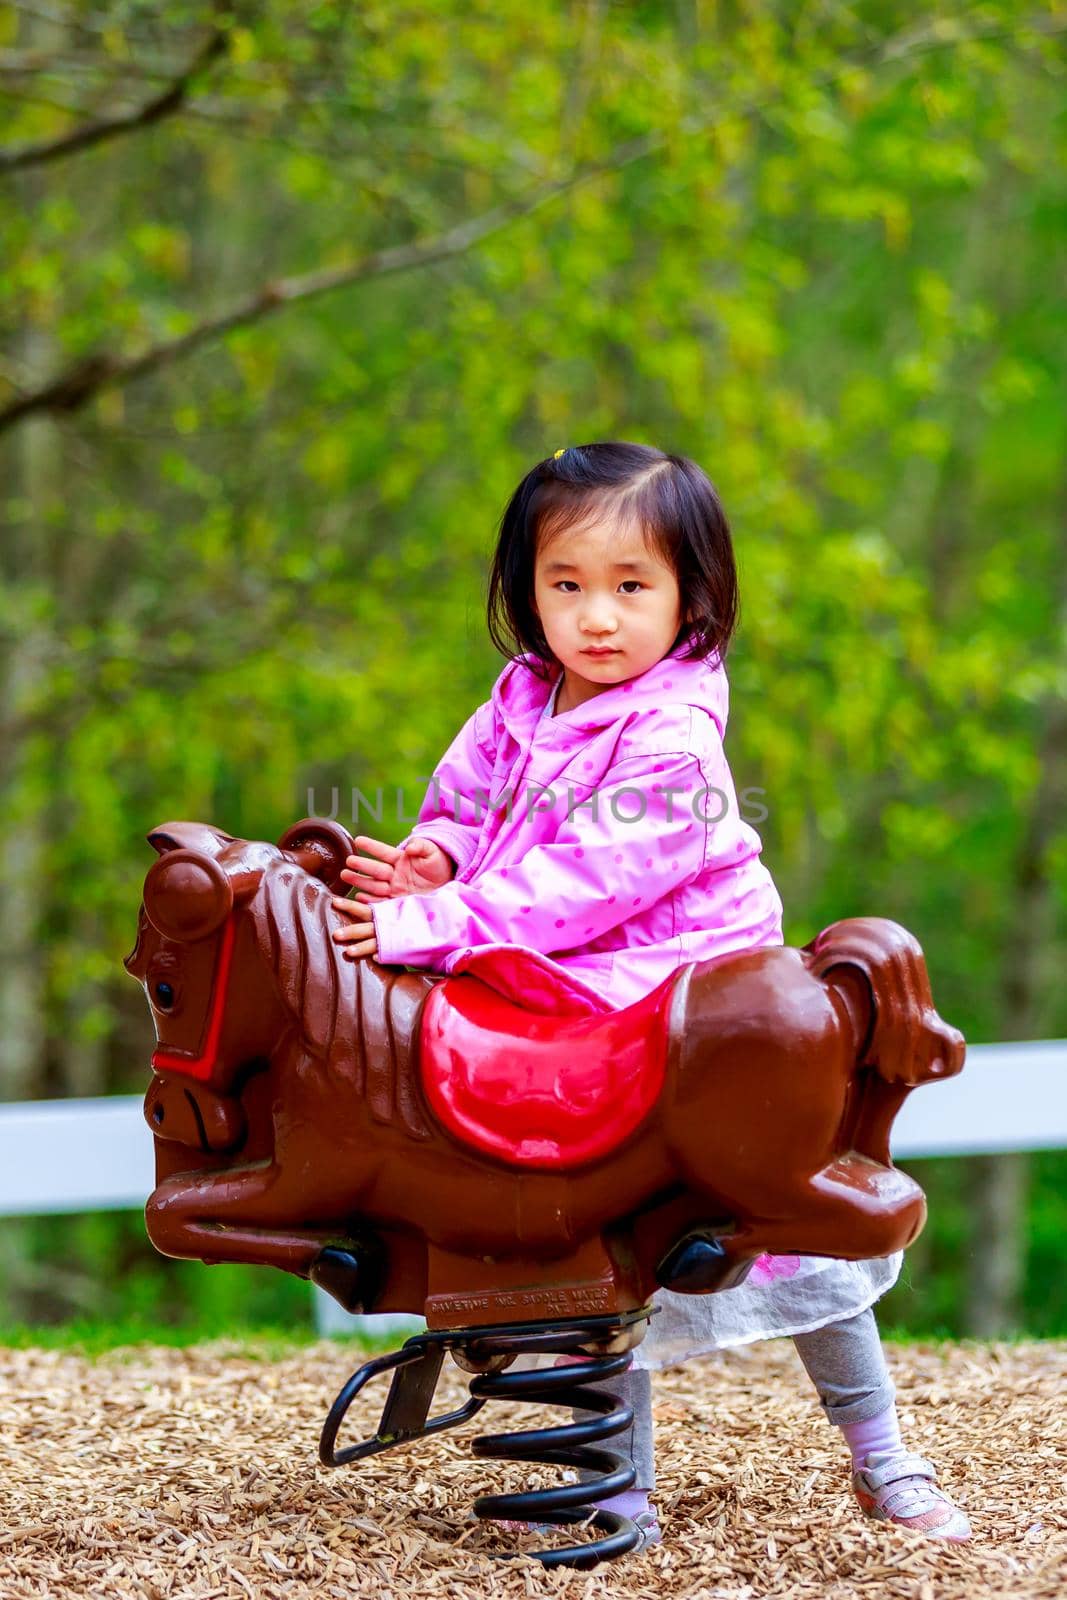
x,y
520,695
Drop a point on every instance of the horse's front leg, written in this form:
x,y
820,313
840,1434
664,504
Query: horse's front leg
x,y
243,1215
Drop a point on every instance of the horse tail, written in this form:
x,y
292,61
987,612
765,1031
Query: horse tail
x,y
907,1042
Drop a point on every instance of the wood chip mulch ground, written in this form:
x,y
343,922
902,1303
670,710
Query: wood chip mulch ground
x,y
155,1472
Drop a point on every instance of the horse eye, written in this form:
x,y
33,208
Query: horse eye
x,y
164,996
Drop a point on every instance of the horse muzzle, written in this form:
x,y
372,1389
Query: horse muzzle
x,y
949,1049
190,1114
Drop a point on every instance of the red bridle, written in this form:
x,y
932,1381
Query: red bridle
x,y
203,1066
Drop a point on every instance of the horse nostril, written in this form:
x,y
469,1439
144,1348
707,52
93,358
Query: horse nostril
x,y
158,1114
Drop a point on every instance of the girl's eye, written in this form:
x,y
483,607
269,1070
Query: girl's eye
x,y
634,581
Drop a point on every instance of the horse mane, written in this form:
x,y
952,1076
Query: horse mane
x,y
349,1013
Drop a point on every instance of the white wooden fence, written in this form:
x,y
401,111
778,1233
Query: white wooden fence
x,y
96,1155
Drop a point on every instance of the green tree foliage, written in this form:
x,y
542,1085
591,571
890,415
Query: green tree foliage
x,y
292,296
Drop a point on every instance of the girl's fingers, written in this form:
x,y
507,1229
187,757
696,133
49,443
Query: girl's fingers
x,y
356,938
363,866
368,948
359,880
373,847
360,918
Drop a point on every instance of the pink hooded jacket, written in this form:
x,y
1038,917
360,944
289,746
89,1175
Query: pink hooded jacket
x,y
605,838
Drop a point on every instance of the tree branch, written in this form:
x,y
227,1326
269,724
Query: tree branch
x,y
96,132
81,381
84,379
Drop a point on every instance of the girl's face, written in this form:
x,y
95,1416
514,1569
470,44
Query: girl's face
x,y
598,588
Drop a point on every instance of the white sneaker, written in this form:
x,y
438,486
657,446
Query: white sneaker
x,y
901,1489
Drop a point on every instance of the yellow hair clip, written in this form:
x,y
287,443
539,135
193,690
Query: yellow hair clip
x,y
560,453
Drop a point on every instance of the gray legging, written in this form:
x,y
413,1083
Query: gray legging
x,y
844,1361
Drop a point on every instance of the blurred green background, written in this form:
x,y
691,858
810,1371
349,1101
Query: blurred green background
x,y
293,296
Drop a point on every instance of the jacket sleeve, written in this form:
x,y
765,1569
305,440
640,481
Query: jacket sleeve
x,y
458,795
597,871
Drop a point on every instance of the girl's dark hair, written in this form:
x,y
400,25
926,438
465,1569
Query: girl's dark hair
x,y
674,503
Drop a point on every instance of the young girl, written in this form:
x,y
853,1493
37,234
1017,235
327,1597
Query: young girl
x,y
613,593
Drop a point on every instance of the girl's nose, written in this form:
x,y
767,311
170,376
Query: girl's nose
x,y
598,622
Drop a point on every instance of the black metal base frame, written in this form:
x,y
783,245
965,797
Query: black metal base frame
x,y
486,1352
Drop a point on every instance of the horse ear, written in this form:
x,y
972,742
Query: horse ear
x,y
199,836
187,895
134,962
320,847
161,842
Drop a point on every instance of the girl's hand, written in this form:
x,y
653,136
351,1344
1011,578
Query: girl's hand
x,y
386,872
357,935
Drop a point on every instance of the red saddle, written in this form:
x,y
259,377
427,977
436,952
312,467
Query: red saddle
x,y
550,1084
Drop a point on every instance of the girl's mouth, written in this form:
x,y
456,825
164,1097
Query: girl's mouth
x,y
605,650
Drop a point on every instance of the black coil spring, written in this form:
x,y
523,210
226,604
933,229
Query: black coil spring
x,y
568,1445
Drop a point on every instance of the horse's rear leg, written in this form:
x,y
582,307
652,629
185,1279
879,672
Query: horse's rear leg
x,y
854,1208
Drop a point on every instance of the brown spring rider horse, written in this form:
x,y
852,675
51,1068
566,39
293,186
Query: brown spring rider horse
x,y
423,1144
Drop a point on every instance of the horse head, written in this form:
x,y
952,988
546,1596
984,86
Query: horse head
x,y
216,1011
